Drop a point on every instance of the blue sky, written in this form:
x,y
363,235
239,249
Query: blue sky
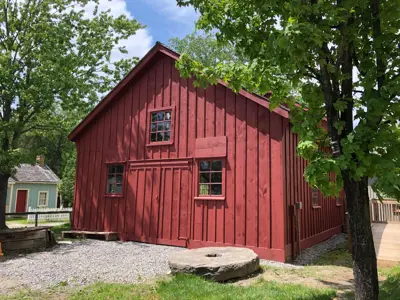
x,y
163,19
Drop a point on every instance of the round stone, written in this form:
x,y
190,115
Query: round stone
x,y
216,263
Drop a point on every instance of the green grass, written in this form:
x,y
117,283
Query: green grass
x,y
337,257
191,287
59,228
390,289
25,221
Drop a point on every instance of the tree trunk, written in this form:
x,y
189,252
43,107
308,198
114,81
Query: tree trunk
x,y
363,250
3,199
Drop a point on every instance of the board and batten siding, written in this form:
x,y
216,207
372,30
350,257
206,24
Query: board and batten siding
x,y
252,213
33,194
317,223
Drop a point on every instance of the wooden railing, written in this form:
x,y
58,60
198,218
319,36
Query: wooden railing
x,y
385,211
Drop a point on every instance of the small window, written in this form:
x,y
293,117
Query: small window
x,y
115,179
315,197
210,178
339,201
42,199
160,127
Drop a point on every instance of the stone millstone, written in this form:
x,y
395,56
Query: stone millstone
x,y
215,263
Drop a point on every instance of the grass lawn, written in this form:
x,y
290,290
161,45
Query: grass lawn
x,y
24,221
329,277
183,287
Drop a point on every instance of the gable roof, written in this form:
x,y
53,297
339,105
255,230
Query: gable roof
x,y
34,173
159,48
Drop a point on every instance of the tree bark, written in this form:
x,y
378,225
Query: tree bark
x,y
3,199
363,250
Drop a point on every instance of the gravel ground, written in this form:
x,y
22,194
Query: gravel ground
x,y
88,261
307,256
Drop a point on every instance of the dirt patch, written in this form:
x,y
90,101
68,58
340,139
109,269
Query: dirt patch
x,y
8,286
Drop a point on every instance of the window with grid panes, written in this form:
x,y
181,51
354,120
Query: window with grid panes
x,y
115,178
160,126
314,197
42,199
210,178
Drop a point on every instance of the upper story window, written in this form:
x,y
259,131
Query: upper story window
x,y
160,126
115,176
315,197
210,178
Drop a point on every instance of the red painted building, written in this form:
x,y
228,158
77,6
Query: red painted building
x,y
161,161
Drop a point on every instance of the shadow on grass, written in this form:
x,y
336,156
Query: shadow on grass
x,y
337,257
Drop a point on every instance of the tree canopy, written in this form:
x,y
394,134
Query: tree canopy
x,y
55,56
343,57
204,48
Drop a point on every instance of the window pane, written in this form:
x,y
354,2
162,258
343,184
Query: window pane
x,y
154,117
119,169
153,137
110,188
204,189
110,179
160,116
118,189
204,166
160,136
216,189
205,177
167,125
167,135
168,115
216,177
118,179
216,165
160,126
153,127
111,169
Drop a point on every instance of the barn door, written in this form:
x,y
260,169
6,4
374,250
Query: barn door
x,y
174,221
143,201
159,202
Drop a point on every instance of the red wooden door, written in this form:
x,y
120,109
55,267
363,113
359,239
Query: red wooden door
x,y
158,209
21,200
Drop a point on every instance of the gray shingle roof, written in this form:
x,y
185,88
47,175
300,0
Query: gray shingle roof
x,y
34,173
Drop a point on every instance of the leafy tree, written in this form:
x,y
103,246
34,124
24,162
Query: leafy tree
x,y
204,48
52,56
343,57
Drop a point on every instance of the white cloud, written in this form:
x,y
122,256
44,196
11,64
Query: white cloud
x,y
138,44
184,15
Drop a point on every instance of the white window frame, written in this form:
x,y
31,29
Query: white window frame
x,y
47,199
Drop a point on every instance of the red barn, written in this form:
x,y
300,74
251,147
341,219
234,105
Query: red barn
x,y
161,161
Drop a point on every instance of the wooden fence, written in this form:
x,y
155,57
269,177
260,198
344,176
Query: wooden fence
x,y
64,214
385,219
386,211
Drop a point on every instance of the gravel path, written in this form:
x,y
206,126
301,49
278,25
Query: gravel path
x,y
87,262
307,256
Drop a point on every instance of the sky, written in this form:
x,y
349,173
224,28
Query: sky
x,y
163,19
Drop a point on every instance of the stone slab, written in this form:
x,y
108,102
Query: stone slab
x,y
215,263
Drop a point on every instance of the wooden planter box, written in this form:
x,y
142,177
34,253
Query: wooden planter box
x,y
28,239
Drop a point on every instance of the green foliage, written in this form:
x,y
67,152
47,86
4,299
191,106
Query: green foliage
x,y
55,62
342,57
390,289
203,48
68,178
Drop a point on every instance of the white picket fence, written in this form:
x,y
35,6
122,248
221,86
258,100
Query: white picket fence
x,y
62,216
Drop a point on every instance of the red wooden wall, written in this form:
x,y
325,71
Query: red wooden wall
x,y
252,213
262,177
317,223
